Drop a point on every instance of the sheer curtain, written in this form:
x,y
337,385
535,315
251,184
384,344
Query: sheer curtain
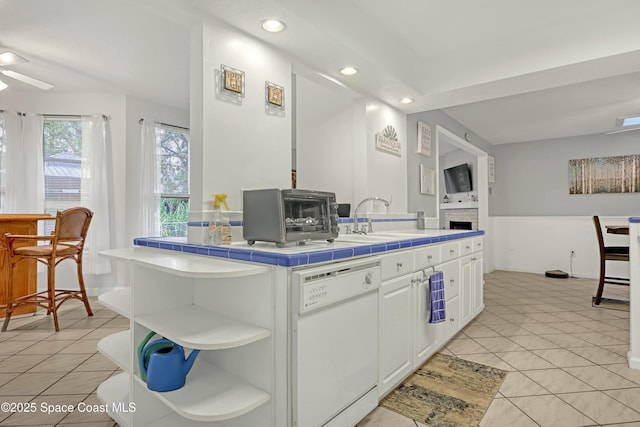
x,y
24,181
96,191
150,180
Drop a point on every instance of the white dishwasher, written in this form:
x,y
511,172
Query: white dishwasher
x,y
335,343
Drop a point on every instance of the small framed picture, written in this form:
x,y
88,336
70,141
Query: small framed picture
x,y
232,81
424,139
274,96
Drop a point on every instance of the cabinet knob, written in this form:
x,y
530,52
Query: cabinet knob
x,y
399,265
368,278
452,251
468,247
429,257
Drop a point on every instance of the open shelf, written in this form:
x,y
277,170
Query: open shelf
x,y
185,265
194,327
210,394
115,390
118,300
201,266
117,348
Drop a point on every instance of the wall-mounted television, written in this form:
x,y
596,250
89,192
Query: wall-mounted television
x,y
458,179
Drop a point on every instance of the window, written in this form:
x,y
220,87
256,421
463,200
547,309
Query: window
x,y
62,145
173,159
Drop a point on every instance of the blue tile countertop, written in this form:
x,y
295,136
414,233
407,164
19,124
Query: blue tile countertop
x,y
311,252
634,219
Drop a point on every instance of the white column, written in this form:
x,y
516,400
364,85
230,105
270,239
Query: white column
x,y
634,294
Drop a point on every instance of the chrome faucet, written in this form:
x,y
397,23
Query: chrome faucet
x,y
356,228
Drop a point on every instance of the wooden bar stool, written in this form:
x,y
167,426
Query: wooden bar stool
x,y
66,242
608,253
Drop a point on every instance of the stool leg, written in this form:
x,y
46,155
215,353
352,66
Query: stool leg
x,y
83,291
9,309
51,291
598,297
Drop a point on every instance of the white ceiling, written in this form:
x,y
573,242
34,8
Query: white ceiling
x,y
508,70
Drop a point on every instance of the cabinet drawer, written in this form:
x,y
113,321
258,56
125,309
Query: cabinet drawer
x,y
451,273
396,264
450,250
478,243
466,246
427,256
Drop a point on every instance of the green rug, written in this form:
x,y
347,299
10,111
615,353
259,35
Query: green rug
x,y
446,392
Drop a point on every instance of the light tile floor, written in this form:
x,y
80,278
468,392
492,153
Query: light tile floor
x,y
566,360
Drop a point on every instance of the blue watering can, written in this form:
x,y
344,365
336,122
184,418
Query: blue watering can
x,y
163,365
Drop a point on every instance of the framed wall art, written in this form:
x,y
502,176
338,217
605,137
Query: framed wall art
x,y
424,139
232,81
274,96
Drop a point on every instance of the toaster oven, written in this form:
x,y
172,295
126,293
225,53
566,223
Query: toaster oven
x,y
293,215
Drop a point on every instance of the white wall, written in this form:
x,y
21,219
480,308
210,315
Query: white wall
x,y
237,145
386,174
540,243
325,137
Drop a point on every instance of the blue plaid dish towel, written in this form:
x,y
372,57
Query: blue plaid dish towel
x,y
435,297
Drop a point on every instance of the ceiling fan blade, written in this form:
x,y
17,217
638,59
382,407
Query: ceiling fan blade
x,y
26,79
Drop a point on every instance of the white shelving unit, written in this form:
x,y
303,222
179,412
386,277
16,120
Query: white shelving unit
x,y
117,348
118,300
194,327
115,390
212,395
201,303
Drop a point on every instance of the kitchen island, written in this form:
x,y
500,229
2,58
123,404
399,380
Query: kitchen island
x,y
249,310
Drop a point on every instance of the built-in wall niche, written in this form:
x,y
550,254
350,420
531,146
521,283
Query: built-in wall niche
x,y
469,206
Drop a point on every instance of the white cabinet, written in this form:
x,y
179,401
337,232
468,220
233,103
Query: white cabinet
x,y
219,307
407,339
472,295
426,335
396,331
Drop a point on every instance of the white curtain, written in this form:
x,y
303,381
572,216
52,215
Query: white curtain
x,y
24,185
149,207
96,191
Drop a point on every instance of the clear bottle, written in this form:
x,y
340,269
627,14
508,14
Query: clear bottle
x,y
219,229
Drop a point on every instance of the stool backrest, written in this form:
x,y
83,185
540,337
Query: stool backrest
x,y
72,225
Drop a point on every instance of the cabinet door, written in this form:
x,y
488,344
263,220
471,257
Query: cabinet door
x,y
451,273
478,283
395,332
426,334
452,325
467,289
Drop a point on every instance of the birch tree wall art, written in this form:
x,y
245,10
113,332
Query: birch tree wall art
x,y
617,174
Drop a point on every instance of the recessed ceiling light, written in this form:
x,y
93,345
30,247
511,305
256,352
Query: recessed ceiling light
x,y
273,25
349,71
3,85
631,121
407,101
